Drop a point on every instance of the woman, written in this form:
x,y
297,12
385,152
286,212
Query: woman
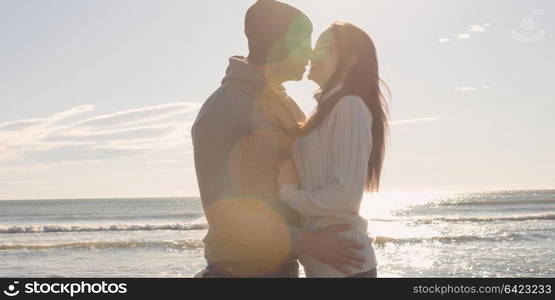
x,y
341,148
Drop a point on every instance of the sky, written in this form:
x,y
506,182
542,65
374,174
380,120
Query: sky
x,y
97,97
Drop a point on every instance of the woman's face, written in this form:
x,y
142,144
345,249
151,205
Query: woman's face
x,y
324,59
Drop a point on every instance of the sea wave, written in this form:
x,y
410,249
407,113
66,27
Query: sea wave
x,y
109,227
105,244
381,240
454,219
527,217
97,216
197,244
497,202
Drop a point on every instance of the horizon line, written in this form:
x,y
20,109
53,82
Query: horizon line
x,y
198,196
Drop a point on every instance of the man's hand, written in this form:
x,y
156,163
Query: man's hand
x,y
328,247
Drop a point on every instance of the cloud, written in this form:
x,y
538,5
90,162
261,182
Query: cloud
x,y
70,113
139,115
44,142
26,123
21,124
114,135
473,29
418,120
443,40
476,28
463,36
471,88
466,89
147,132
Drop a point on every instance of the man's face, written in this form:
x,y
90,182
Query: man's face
x,y
294,66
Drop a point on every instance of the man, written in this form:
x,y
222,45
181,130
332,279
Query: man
x,y
241,134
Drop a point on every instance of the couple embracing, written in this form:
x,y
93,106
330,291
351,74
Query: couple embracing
x,y
279,188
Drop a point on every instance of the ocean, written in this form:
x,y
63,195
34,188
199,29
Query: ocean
x,y
486,234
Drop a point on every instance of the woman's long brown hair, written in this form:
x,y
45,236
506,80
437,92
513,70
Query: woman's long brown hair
x,y
361,80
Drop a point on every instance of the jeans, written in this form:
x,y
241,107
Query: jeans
x,y
288,269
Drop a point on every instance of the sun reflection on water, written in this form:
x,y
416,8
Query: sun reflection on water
x,y
387,222
384,214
